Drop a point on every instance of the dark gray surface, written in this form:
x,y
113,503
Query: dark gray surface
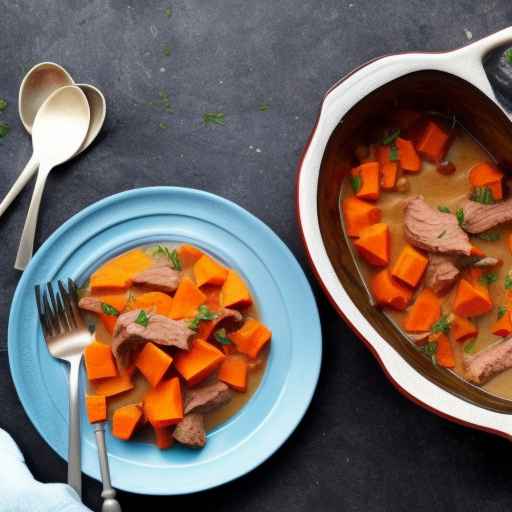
x,y
362,446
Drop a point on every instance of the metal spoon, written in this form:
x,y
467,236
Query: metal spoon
x,y
41,81
59,130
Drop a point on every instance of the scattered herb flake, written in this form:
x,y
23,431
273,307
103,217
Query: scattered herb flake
x,y
489,278
430,348
4,130
356,183
469,348
459,213
393,153
482,195
203,314
142,318
263,107
3,104
442,325
508,55
213,118
168,12
172,256
109,310
221,337
443,209
167,51
490,236
164,126
390,138
442,234
508,282
501,311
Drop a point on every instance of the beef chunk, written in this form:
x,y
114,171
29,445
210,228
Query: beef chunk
x,y
441,273
432,230
161,277
207,398
160,329
489,362
92,304
481,217
190,431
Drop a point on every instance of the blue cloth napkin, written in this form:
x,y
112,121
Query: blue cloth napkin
x,y
20,492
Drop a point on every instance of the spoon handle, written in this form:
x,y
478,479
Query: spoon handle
x,y
26,247
20,182
110,504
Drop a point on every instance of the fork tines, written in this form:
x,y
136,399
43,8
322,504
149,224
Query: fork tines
x,y
58,311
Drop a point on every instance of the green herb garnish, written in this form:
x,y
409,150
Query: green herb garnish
x,y
356,183
3,104
490,236
213,118
389,139
168,12
443,209
263,107
459,213
393,153
489,278
109,310
142,318
442,325
508,55
430,349
221,337
508,282
482,195
167,51
442,234
4,129
501,311
172,256
469,348
203,314
164,126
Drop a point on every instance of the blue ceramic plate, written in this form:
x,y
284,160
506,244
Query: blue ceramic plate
x,y
283,296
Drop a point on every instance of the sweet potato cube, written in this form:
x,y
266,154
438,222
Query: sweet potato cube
x,y
96,406
251,337
159,301
471,299
233,371
189,254
163,404
113,385
208,271
424,313
410,266
234,293
389,291
486,174
99,361
125,420
368,175
462,329
502,326
409,159
153,362
358,215
199,362
373,244
163,437
444,351
433,144
187,299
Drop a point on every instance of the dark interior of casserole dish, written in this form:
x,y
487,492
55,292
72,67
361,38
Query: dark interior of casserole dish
x,y
431,91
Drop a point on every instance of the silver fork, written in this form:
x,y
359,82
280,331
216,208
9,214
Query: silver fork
x,y
66,336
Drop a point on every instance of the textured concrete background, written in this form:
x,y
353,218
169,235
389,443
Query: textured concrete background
x,y
362,446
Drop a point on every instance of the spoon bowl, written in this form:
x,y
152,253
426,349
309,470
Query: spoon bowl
x,y
98,108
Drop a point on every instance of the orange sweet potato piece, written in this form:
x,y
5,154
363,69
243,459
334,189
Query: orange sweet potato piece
x,y
212,301
208,271
389,174
373,244
359,215
109,322
502,326
153,362
159,301
433,144
163,437
234,293
409,159
382,153
116,300
118,273
424,313
389,291
99,361
444,352
96,406
125,420
233,371
199,362
251,337
368,174
410,266
476,251
113,385
486,174
187,299
163,404
471,299
463,329
189,254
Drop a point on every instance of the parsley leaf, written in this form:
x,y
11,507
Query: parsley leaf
x,y
443,209
393,153
203,314
482,195
142,319
508,55
489,278
356,183
442,234
263,107
214,118
442,325
109,310
172,256
501,311
490,236
163,126
221,337
168,12
430,349
390,138
508,282
459,213
469,348
3,104
4,130
167,51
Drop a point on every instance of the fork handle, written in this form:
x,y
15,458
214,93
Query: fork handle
x,y
74,466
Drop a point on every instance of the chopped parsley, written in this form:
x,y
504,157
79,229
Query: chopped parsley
x,y
489,278
459,213
442,234
168,12
164,126
263,107
167,51
390,138
501,311
508,282
142,318
430,349
469,348
356,183
393,153
490,236
443,209
203,314
3,104
109,310
482,195
508,55
221,337
4,130
442,325
213,118
172,256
